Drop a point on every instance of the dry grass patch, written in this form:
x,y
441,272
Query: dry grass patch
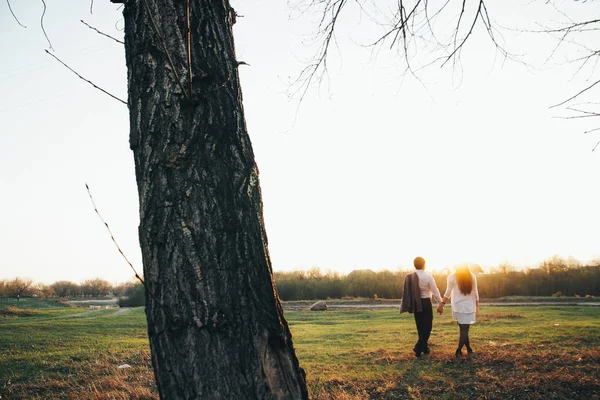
x,y
17,312
98,379
496,316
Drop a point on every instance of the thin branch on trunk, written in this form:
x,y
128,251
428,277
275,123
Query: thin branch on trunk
x,y
189,45
138,277
166,50
82,78
111,235
102,33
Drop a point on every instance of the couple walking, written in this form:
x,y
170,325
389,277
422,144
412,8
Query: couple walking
x,y
461,287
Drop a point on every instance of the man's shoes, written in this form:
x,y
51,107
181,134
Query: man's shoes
x,y
469,350
426,351
458,353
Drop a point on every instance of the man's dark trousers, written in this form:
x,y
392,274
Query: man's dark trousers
x,y
424,320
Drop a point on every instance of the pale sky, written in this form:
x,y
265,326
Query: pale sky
x,y
372,170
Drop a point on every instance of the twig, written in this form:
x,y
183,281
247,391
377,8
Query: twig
x,y
164,45
13,14
42,25
189,45
457,49
578,94
92,7
112,236
123,254
82,78
102,33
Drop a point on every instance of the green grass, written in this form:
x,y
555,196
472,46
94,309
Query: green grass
x,y
31,303
548,352
521,352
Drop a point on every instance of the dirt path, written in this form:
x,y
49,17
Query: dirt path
x,y
121,310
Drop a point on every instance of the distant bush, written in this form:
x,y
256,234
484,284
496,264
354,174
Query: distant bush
x,y
558,294
135,296
589,296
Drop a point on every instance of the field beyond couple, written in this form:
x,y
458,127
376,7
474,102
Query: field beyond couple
x,y
525,352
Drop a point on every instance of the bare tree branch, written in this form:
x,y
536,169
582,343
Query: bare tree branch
x,y
111,234
462,43
574,27
577,95
102,33
310,72
82,78
42,25
13,14
122,253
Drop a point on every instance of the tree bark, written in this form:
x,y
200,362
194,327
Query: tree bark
x,y
215,323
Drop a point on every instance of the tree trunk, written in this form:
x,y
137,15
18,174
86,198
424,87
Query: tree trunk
x,y
215,322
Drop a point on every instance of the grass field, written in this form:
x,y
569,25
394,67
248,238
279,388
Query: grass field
x,y
549,352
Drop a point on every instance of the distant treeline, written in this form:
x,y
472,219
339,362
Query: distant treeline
x,y
96,287
554,277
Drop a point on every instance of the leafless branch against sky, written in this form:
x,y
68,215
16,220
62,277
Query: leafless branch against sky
x,y
13,14
438,31
137,276
427,33
42,26
102,33
576,95
87,80
111,234
317,67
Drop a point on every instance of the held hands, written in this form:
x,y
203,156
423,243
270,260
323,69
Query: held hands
x,y
440,308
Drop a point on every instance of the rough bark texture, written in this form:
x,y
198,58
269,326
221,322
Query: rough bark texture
x,y
215,323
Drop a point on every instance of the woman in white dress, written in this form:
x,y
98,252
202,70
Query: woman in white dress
x,y
462,289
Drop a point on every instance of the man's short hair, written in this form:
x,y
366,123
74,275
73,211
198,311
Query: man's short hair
x,y
419,263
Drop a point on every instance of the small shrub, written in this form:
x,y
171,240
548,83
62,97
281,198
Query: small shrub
x,y
558,294
589,296
135,296
17,312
